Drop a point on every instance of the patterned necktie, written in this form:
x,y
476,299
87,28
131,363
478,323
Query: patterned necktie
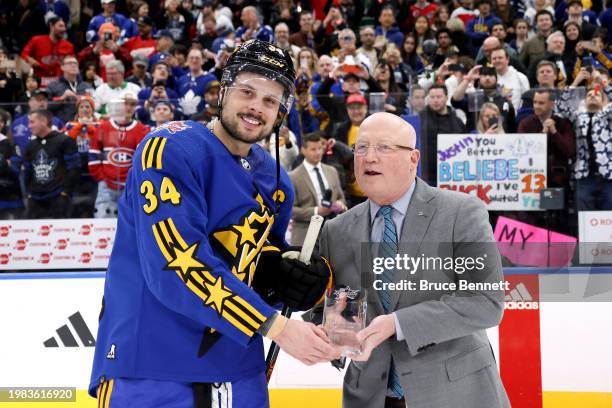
x,y
388,249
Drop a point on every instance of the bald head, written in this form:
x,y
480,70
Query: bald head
x,y
385,157
395,126
490,44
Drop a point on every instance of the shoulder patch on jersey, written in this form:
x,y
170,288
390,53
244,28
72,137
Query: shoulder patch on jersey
x,y
172,127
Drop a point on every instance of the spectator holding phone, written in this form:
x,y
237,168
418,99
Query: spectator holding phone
x,y
489,119
105,50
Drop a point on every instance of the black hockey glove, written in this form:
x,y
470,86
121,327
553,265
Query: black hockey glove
x,y
286,279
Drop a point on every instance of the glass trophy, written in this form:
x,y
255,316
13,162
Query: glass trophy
x,y
344,315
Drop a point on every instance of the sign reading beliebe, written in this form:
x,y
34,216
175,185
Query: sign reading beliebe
x,y
506,171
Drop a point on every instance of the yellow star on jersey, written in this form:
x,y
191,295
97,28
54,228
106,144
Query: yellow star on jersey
x,y
185,260
247,233
218,294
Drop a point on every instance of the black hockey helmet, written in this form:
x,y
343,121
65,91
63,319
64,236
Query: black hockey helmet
x,y
266,59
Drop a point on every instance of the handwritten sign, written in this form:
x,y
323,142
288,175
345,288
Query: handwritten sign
x,y
506,171
527,245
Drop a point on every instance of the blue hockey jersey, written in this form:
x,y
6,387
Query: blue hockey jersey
x,y
192,221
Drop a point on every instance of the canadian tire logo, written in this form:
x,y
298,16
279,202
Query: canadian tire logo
x,y
5,258
85,257
62,244
45,230
45,257
85,229
103,243
20,244
5,230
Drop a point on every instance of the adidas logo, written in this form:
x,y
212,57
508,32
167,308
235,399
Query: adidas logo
x,y
519,298
66,335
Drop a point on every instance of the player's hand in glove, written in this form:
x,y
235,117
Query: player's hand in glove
x,y
282,277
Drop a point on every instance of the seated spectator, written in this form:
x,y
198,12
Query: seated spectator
x,y
143,43
546,78
465,12
345,132
348,48
82,130
441,17
395,100
513,82
158,92
140,76
224,30
65,91
115,88
499,31
436,118
191,86
575,14
387,27
132,25
336,106
305,37
89,73
555,53
31,83
535,47
522,33
537,6
11,204
593,53
281,40
108,16
288,148
317,189
163,44
593,126
52,168
561,141
252,28
177,20
416,101
505,10
489,119
111,152
105,50
491,44
367,37
402,72
39,100
10,84
423,32
481,26
305,74
413,63
44,53
445,47
460,39
211,97
160,73
163,111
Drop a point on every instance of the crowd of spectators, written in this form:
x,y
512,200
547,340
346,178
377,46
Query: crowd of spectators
x,y
82,82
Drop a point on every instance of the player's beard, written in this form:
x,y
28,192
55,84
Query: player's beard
x,y
231,127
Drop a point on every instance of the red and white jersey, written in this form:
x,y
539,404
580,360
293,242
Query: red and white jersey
x,y
112,149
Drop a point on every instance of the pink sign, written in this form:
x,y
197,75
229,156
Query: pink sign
x,y
527,245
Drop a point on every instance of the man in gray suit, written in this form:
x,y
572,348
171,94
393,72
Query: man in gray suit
x,y
317,188
424,347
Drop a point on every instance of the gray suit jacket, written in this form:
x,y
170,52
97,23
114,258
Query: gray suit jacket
x,y
306,198
445,359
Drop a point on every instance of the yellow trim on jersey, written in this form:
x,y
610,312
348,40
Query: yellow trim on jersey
x,y
153,152
104,393
233,308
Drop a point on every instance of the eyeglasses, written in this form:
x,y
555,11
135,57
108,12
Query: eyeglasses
x,y
361,149
248,93
348,38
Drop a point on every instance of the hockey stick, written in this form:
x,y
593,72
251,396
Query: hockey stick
x,y
316,221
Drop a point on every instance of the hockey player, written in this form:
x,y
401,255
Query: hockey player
x,y
197,259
